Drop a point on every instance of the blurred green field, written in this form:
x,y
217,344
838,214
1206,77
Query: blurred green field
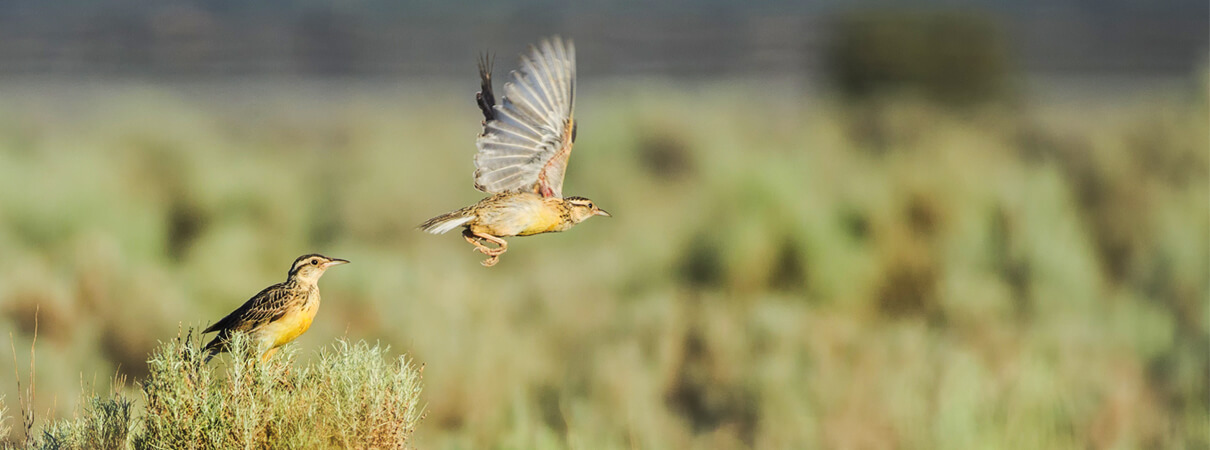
x,y
780,271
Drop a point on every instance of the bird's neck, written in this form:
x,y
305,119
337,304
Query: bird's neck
x,y
563,209
302,282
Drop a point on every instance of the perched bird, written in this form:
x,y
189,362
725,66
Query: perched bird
x,y
523,152
278,314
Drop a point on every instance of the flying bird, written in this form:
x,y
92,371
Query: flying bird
x,y
523,152
279,313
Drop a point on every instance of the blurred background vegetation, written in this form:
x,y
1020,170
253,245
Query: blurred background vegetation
x,y
834,226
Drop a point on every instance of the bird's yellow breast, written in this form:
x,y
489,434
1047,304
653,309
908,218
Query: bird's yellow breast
x,y
292,325
544,220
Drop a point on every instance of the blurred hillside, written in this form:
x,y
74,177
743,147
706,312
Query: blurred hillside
x,y
900,252
680,38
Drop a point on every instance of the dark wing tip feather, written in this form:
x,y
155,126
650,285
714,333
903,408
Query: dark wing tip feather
x,y
485,98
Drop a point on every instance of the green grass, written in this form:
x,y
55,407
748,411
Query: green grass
x,y
352,396
780,272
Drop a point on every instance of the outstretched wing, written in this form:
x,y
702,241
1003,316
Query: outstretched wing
x,y
526,145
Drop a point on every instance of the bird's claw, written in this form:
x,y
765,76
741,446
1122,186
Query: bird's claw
x,y
492,252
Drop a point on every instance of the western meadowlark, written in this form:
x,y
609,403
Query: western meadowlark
x,y
278,314
523,151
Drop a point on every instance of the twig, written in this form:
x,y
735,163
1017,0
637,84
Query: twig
x,y
27,401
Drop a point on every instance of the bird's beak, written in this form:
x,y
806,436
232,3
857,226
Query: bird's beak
x,y
601,212
335,262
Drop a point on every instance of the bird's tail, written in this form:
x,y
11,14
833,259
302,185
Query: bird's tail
x,y
215,347
444,223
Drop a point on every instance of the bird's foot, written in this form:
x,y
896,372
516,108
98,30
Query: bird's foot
x,y
478,244
479,240
493,252
491,260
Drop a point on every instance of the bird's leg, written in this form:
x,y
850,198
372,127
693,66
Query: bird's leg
x,y
503,245
268,354
477,238
493,254
474,240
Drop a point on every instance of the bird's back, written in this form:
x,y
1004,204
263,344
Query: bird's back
x,y
256,311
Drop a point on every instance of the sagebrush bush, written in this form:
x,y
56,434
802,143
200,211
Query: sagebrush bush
x,y
947,56
353,396
103,424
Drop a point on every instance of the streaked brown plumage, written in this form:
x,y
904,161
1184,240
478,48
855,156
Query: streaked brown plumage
x,y
279,313
523,153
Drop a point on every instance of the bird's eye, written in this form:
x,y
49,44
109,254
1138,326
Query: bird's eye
x,y
314,262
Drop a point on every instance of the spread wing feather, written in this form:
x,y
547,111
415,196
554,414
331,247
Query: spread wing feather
x,y
526,146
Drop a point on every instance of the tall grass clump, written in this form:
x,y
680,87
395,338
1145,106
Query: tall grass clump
x,y
103,424
353,396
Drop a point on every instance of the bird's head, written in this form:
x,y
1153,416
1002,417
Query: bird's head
x,y
309,268
582,208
